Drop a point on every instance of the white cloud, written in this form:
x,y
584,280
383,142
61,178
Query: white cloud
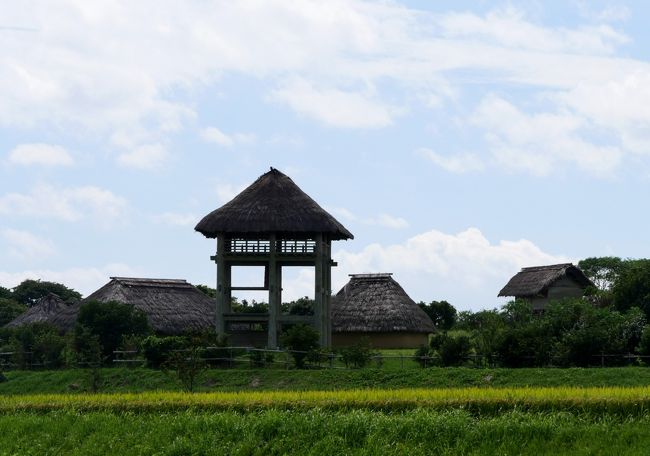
x,y
146,157
455,163
216,136
541,143
176,219
334,107
434,265
510,28
24,245
68,204
40,154
83,279
385,220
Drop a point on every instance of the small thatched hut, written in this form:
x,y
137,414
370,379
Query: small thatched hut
x,y
541,284
172,306
43,311
377,307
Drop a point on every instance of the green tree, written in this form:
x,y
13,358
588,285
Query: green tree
x,y
29,291
441,313
211,292
632,286
300,339
5,293
301,306
602,271
10,309
110,321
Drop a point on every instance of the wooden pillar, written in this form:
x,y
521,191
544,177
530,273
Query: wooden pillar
x,y
327,298
222,291
275,287
321,298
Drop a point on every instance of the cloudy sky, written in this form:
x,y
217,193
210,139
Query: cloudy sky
x,y
458,141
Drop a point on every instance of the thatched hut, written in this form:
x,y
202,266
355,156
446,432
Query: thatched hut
x,y
43,311
172,306
377,307
541,284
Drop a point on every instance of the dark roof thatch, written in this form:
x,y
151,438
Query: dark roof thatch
x,y
43,311
171,306
534,281
272,204
377,303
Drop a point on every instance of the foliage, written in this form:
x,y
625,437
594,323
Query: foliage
x,y
111,321
209,291
602,271
156,349
5,293
441,313
29,291
187,364
249,307
38,343
357,355
423,353
454,350
301,306
10,309
260,358
300,339
632,288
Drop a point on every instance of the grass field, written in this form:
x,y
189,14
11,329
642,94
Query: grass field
x,y
367,411
320,432
140,379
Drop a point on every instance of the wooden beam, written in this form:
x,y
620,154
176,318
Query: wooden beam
x,y
221,287
275,285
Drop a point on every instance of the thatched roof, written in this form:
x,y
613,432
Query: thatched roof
x,y
535,281
377,303
272,204
42,311
171,306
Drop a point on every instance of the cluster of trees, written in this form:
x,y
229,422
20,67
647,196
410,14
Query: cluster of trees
x,y
612,319
301,306
15,301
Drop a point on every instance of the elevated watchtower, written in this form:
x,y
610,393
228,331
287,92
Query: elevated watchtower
x,y
273,223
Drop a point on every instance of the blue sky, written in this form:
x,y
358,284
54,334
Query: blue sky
x,y
458,141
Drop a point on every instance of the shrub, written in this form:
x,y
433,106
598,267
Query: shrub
x,y
187,365
38,343
111,321
422,355
357,355
454,350
10,309
156,350
300,340
260,358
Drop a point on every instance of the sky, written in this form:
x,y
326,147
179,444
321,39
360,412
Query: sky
x,y
458,141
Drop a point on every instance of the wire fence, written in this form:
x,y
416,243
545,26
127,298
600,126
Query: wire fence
x,y
248,357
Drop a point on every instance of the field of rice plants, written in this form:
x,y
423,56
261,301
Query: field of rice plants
x,y
442,420
321,432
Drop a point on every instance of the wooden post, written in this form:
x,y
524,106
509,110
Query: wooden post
x,y
319,305
274,293
220,325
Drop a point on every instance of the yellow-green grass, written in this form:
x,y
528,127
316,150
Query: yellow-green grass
x,y
608,400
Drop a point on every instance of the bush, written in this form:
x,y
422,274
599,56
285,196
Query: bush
x,y
300,340
454,350
38,343
422,355
156,350
10,309
187,364
260,358
357,355
111,321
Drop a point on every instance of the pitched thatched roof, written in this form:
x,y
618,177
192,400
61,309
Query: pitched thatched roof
x,y
272,204
534,281
42,311
377,303
171,306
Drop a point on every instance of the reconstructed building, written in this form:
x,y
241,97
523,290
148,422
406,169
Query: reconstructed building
x,y
541,284
44,310
376,307
273,224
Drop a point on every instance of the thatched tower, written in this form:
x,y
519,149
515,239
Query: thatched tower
x,y
43,311
272,223
377,307
541,284
172,306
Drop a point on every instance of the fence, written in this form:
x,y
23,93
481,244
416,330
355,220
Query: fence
x,y
242,357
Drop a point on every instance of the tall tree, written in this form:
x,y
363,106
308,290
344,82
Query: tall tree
x,y
29,291
602,271
441,313
632,287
